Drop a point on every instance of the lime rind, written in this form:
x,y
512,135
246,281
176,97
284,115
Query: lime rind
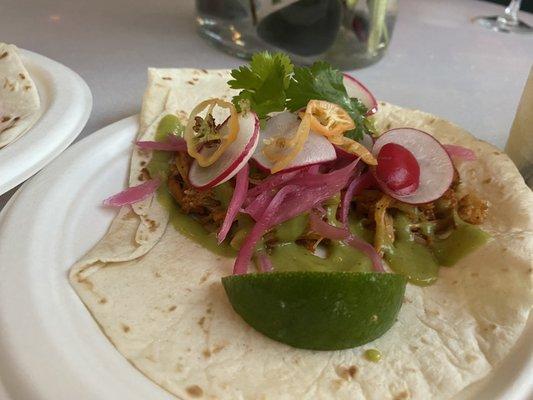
x,y
318,310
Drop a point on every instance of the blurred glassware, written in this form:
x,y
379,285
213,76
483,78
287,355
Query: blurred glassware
x,y
348,33
519,145
506,22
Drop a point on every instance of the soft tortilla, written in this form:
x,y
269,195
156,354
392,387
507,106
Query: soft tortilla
x,y
167,312
19,99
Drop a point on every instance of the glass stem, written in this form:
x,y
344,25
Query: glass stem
x,y
511,12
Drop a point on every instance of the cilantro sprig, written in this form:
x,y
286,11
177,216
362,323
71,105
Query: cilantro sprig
x,y
271,83
264,83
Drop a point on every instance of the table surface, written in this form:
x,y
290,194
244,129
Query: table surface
x,y
438,61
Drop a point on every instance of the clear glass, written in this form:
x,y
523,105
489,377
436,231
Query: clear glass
x,y
519,145
507,22
348,33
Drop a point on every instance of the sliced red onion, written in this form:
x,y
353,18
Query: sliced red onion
x,y
326,230
172,143
368,250
265,222
334,178
460,152
259,204
133,194
239,194
356,186
265,265
273,181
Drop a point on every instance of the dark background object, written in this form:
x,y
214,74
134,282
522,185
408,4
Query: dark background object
x,y
527,5
306,28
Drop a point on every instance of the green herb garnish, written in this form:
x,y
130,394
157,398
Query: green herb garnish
x,y
263,83
272,83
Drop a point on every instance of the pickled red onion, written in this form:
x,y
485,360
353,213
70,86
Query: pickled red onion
x,y
257,206
326,230
273,181
299,195
133,194
356,186
265,222
172,143
460,152
239,195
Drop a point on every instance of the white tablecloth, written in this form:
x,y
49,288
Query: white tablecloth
x,y
438,61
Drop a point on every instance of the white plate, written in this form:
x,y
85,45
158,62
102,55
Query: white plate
x,y
50,347
66,103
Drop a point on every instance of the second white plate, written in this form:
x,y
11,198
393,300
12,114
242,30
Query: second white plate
x,y
66,104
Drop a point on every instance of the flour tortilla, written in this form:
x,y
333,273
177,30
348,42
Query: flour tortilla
x,y
19,99
167,312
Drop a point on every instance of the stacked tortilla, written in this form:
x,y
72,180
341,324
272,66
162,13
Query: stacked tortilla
x,y
157,295
19,99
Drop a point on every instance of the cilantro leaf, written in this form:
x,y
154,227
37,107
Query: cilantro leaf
x,y
263,83
322,82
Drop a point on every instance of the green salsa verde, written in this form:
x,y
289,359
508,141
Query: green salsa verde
x,y
418,262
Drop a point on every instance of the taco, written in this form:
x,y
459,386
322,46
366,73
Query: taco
x,y
276,268
19,99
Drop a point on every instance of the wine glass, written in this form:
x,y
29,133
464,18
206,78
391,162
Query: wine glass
x,y
506,22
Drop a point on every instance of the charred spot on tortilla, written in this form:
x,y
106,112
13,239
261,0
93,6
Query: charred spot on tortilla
x,y
346,372
190,82
152,225
22,76
402,396
102,300
3,55
201,323
125,328
204,277
167,78
195,391
172,308
206,353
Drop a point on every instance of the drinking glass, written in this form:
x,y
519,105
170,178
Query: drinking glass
x,y
506,22
347,33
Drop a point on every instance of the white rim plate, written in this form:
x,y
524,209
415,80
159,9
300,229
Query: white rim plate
x,y
66,103
50,346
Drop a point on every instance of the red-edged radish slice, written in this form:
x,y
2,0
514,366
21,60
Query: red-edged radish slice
x,y
317,148
398,169
436,168
354,88
233,159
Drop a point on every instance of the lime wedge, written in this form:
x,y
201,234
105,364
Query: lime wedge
x,y
317,310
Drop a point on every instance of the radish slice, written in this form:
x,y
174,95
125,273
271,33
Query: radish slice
x,y
317,149
354,88
436,168
232,160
